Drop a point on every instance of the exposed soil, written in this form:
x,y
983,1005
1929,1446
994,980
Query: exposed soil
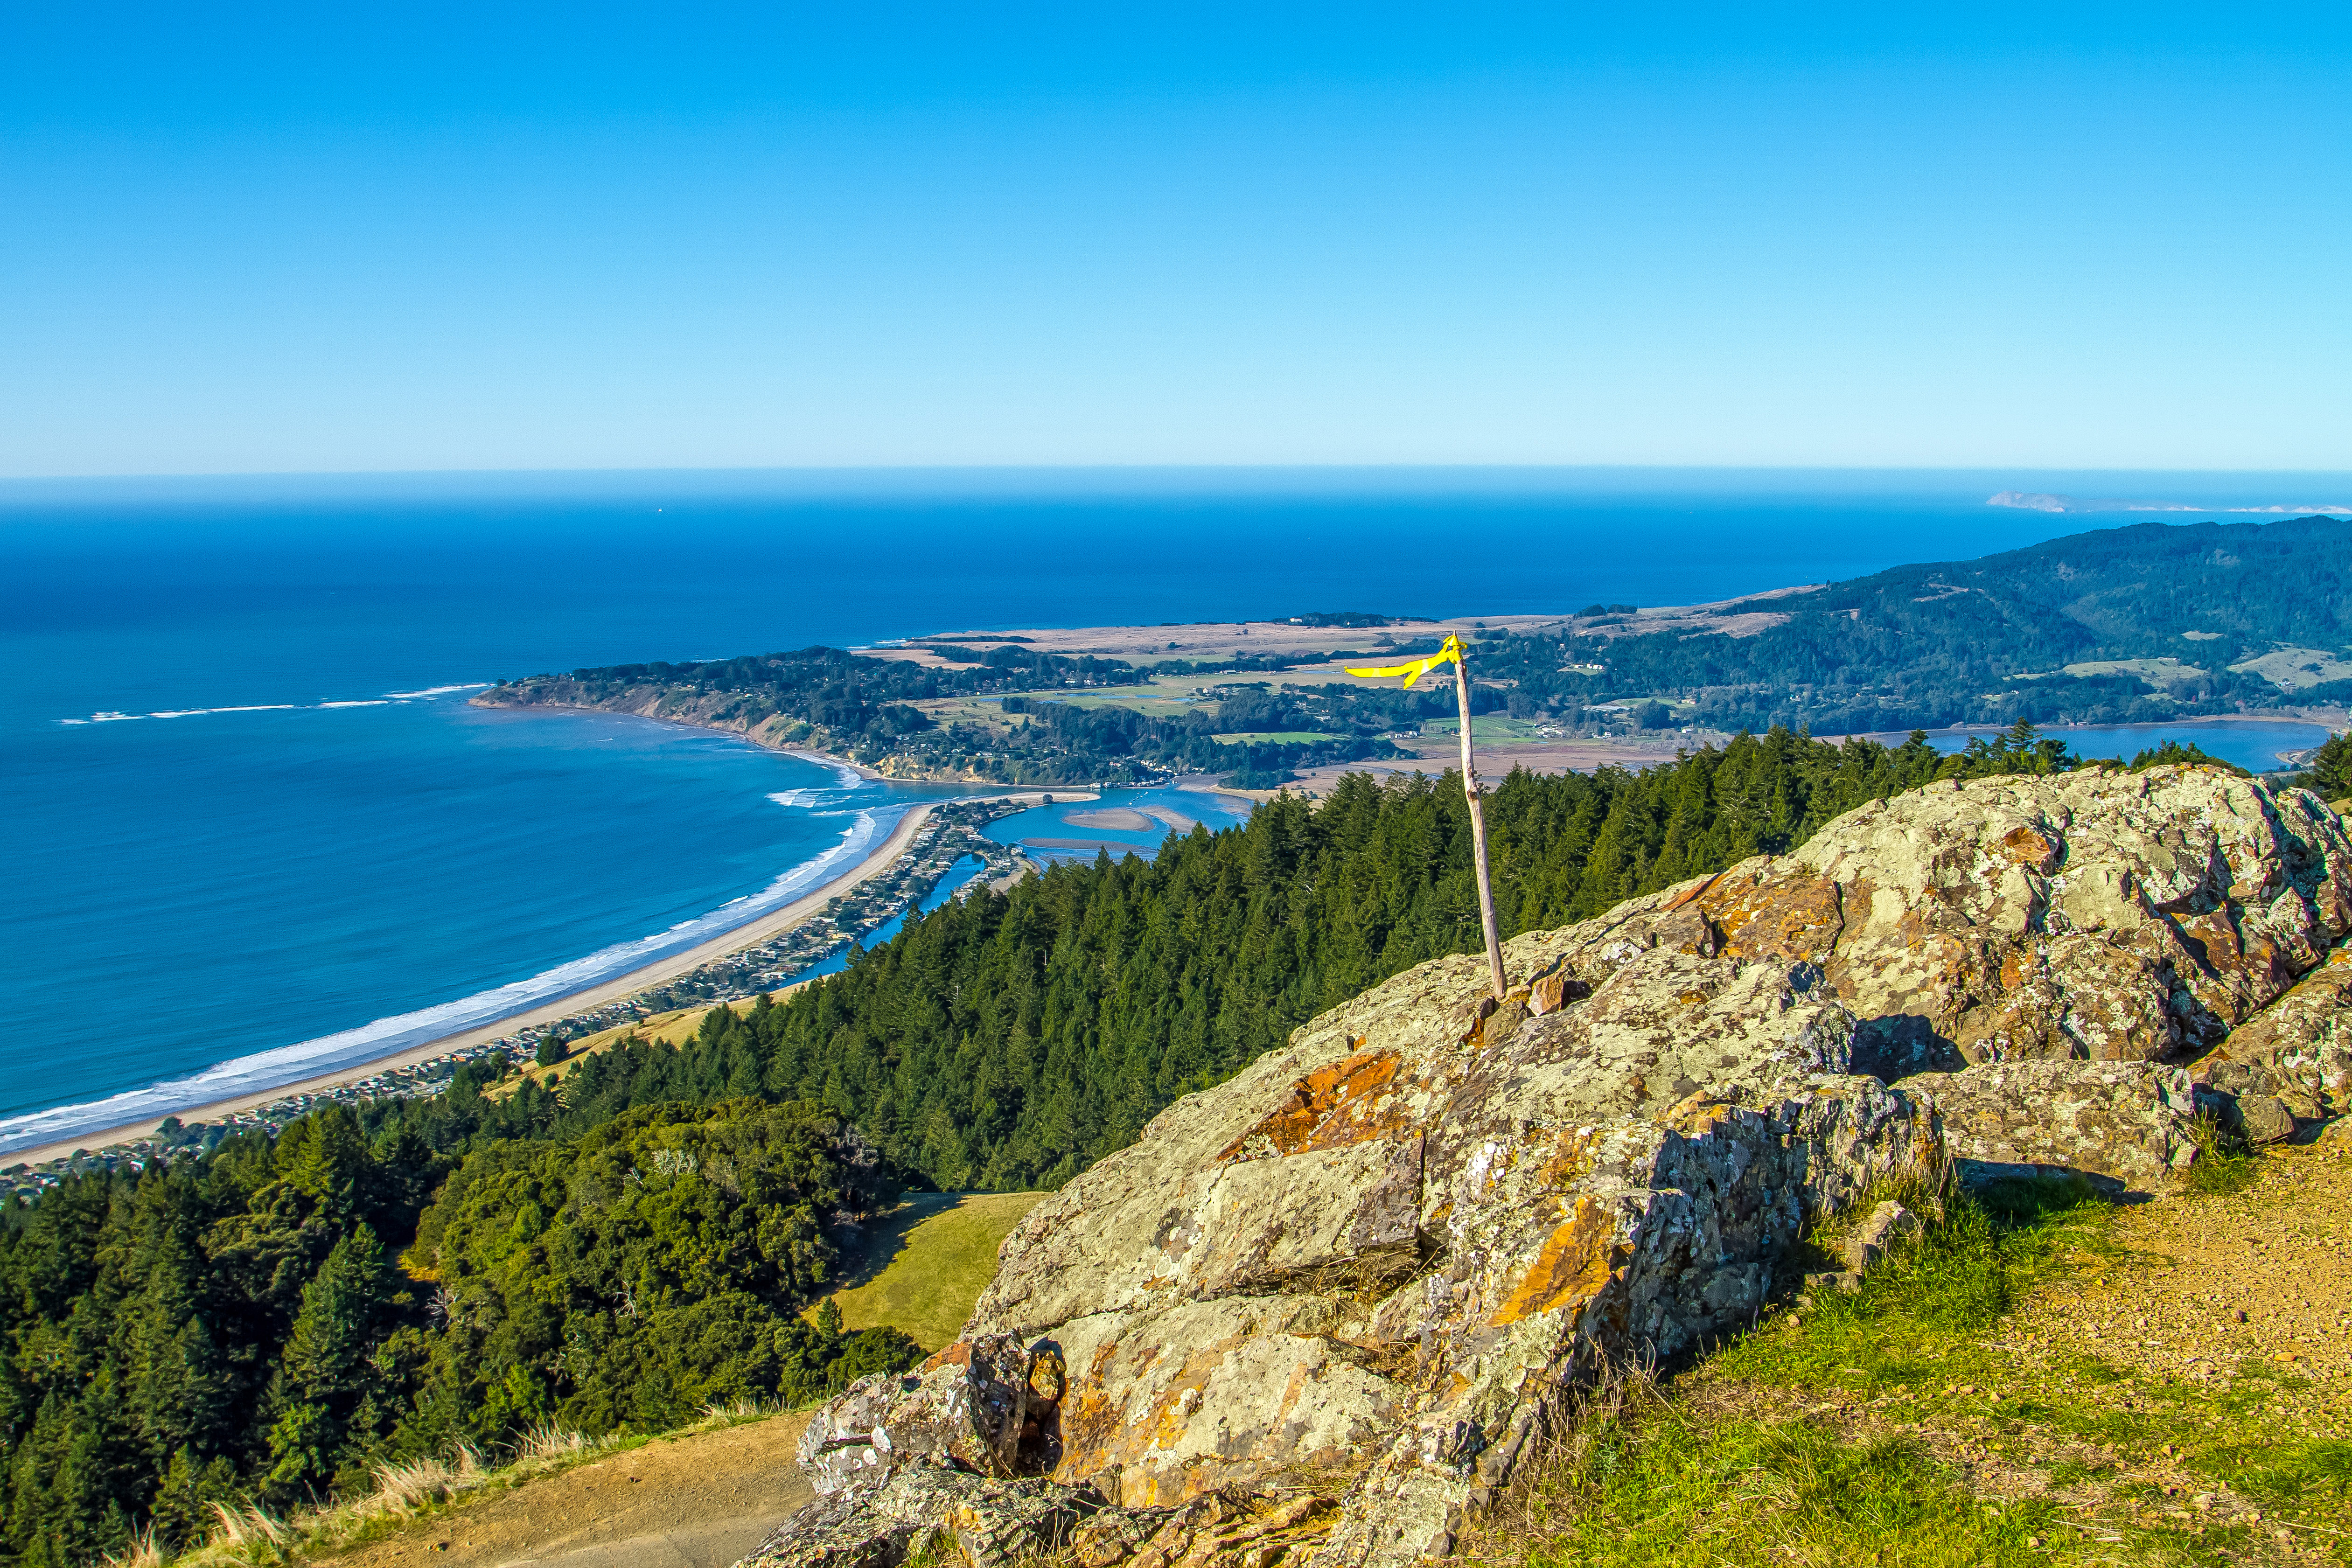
x,y
2215,1283
703,1501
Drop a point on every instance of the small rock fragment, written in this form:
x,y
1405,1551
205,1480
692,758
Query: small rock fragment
x,y
2264,1119
1877,1235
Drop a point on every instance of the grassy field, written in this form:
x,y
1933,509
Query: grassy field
x,y
1254,737
1485,728
671,1028
924,1266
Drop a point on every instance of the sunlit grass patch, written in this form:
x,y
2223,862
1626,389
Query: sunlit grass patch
x,y
2224,1163
1658,1484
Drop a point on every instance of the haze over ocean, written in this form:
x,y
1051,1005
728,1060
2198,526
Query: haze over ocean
x,y
315,832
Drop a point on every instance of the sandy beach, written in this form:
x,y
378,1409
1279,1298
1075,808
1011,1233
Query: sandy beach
x,y
749,934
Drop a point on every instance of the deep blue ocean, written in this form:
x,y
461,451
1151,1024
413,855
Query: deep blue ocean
x,y
254,827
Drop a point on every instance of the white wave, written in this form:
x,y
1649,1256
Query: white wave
x,y
268,1070
792,797
246,708
112,715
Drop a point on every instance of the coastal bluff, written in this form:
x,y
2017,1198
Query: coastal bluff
x,y
703,708
1326,1309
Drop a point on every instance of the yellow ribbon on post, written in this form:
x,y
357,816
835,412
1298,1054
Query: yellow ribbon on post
x,y
1412,671
1449,654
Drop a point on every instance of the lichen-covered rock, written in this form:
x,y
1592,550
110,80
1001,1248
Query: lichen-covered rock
x,y
893,1511
1224,1528
2264,1119
1366,1268
2298,1051
2095,915
2124,1125
1376,1256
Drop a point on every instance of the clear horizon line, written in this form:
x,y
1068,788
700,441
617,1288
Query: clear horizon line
x,y
1301,467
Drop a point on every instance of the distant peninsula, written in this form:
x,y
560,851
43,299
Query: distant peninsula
x,y
2145,624
2035,501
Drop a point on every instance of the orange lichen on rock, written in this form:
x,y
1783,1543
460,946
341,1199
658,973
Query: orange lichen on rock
x,y
1324,1110
1577,1260
1770,916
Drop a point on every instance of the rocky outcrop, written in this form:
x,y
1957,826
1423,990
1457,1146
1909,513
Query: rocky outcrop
x,y
2097,916
1371,1264
1368,1270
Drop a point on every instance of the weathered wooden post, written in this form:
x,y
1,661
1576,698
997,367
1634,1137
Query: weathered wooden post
x,y
1452,654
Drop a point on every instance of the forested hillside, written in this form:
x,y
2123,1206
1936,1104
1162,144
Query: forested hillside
x,y
262,1325
1989,640
265,1321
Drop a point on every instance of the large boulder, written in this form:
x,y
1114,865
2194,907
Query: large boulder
x,y
2298,1051
2124,1125
1371,1263
1369,1269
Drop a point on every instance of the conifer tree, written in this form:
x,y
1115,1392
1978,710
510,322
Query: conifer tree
x,y
323,1377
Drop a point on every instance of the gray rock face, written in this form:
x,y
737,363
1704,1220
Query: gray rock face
x,y
1875,1236
969,1408
2298,1051
2124,1125
895,1511
1368,1268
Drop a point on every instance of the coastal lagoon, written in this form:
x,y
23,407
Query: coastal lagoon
x,y
2258,746
254,826
1045,834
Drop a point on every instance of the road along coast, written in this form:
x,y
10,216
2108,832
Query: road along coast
x,y
884,856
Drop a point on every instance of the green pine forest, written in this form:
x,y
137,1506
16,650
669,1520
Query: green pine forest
x,y
264,1323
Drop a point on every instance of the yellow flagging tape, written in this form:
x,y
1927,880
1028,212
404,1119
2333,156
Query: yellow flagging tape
x,y
1449,654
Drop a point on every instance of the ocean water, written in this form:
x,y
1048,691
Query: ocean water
x,y
255,829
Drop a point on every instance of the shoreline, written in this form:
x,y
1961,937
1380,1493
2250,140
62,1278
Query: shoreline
x,y
1205,783
750,933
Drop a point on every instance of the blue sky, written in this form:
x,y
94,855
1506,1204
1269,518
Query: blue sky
x,y
283,238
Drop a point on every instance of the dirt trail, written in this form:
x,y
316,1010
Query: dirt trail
x,y
2261,1276
703,1501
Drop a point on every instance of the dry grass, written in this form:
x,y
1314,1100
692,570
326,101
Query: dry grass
x,y
924,1266
143,1552
547,1442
